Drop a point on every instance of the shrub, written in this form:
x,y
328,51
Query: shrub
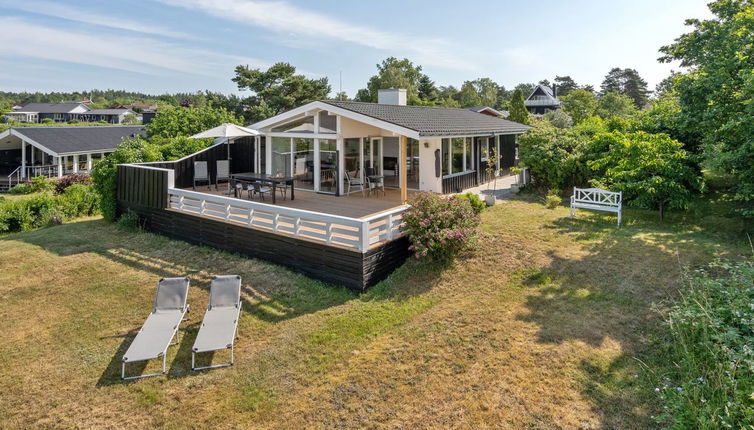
x,y
135,150
130,221
439,227
710,333
78,200
554,157
477,204
22,188
20,215
46,121
552,200
68,180
652,170
41,184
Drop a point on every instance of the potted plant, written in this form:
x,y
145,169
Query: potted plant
x,y
489,197
515,187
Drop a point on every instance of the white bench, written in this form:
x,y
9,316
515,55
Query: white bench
x,y
596,199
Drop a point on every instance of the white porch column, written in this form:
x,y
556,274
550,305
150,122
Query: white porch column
x,y
33,150
75,163
23,159
89,162
60,166
403,172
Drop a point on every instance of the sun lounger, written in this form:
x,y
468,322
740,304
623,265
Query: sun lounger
x,y
218,330
158,331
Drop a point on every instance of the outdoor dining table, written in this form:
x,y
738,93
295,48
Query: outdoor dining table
x,y
264,178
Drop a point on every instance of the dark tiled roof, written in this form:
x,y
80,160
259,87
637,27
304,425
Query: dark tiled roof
x,y
108,111
50,107
434,121
75,139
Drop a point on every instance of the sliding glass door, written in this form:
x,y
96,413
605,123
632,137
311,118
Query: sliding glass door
x,y
303,163
328,166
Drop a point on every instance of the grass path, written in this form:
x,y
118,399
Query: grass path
x,y
542,325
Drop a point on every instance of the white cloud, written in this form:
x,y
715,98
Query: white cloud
x,y
134,54
294,22
65,11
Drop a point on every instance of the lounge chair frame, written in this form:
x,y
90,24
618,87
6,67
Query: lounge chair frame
x,y
194,352
163,354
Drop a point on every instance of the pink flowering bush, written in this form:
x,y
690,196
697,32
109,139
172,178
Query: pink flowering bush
x,y
439,227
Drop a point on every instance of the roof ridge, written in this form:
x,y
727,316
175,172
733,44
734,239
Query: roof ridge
x,y
408,106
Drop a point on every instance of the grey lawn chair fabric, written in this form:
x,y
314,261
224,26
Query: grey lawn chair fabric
x,y
218,329
155,336
201,174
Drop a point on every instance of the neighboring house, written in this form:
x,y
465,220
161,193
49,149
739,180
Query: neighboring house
x,y
36,112
490,111
56,151
147,115
318,155
111,116
542,100
66,111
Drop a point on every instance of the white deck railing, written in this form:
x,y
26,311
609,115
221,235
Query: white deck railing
x,y
354,233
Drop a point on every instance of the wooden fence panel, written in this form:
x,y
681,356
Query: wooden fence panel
x,y
143,186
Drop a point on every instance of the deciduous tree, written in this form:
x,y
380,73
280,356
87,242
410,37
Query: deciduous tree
x,y
579,104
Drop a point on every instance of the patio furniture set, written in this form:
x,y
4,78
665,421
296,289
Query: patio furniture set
x,y
217,332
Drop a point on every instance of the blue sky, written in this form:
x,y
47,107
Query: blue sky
x,y
159,46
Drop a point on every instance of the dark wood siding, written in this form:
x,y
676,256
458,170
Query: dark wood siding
x,y
142,187
458,183
352,269
241,153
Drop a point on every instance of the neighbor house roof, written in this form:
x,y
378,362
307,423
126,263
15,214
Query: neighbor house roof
x,y
116,111
543,90
433,121
483,109
67,140
64,107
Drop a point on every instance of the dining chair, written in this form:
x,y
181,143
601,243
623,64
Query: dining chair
x,y
261,190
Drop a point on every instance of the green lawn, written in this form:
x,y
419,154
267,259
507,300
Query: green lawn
x,y
544,324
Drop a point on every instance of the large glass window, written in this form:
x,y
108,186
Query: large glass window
x,y
456,159
469,152
303,163
327,123
302,125
328,159
281,156
351,156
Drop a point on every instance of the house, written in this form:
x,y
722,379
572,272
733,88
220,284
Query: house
x,y
36,112
26,152
66,111
327,225
542,99
111,116
490,111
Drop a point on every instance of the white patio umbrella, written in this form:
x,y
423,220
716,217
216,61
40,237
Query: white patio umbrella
x,y
228,131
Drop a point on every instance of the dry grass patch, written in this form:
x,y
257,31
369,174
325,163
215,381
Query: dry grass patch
x,y
540,326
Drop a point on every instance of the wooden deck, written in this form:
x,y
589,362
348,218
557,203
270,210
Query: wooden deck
x,y
352,206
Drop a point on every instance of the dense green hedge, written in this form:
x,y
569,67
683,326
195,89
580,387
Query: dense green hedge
x,y
38,211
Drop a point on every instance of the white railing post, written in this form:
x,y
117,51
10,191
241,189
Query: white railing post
x,y
328,232
364,242
389,226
